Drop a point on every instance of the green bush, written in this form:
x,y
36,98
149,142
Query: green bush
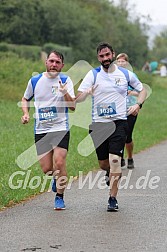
x,y
23,51
4,55
3,47
34,53
27,51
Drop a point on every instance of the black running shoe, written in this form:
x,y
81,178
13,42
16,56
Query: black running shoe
x,y
130,164
112,205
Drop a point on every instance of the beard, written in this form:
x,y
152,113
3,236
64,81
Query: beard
x,y
52,72
106,63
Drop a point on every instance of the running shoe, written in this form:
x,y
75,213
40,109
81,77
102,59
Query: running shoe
x,y
130,164
112,205
54,189
59,203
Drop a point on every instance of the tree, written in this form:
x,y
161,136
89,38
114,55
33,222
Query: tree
x,y
78,24
22,21
159,50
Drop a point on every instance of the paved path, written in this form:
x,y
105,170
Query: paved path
x,y
86,226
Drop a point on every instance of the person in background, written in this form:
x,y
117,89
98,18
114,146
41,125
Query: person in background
x,y
53,94
109,113
153,66
146,67
122,60
163,71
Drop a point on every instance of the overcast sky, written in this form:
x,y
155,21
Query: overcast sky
x,y
157,9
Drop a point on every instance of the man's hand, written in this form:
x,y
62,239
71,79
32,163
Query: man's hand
x,y
91,90
63,88
25,118
81,96
134,110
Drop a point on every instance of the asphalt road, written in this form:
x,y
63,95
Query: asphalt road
x,y
85,225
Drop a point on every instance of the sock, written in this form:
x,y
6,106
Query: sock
x,y
59,195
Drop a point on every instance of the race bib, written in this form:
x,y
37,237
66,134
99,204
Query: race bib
x,y
106,109
47,114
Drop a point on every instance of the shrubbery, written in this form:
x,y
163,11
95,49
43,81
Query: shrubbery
x,y
23,51
65,50
34,52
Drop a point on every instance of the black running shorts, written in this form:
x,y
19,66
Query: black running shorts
x,y
48,141
109,138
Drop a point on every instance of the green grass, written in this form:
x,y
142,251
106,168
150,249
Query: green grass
x,y
150,129
14,139
151,125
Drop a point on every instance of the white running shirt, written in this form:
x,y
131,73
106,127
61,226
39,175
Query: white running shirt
x,y
109,99
51,112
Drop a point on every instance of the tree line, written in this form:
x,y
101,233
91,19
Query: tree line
x,y
77,24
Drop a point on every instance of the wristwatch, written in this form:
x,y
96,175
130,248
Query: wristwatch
x,y
140,104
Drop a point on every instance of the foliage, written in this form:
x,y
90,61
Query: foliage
x,y
23,51
159,50
4,47
15,73
145,77
65,50
77,24
23,22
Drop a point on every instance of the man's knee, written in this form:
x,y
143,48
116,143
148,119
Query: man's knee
x,y
115,163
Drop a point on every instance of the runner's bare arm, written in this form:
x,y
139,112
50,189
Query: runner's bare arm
x,y
25,108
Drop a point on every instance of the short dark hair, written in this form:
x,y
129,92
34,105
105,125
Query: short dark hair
x,y
103,45
56,53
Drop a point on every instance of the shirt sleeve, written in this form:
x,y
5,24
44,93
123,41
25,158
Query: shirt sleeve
x,y
28,94
70,87
135,83
87,82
